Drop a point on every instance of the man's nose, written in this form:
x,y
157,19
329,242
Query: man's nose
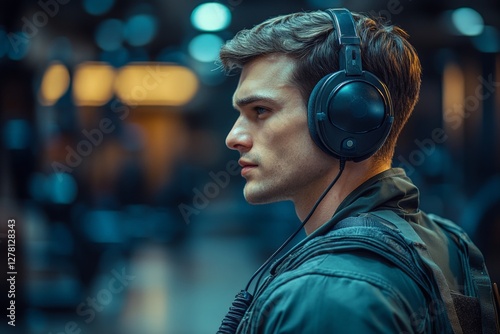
x,y
239,137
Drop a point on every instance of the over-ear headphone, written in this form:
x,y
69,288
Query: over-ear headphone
x,y
350,111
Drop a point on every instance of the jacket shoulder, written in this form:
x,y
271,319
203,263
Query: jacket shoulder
x,y
320,295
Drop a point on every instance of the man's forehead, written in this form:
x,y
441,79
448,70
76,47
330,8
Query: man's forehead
x,y
275,65
265,75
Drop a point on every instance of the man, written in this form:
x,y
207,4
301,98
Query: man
x,y
315,106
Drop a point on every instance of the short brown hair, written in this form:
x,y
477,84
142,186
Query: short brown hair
x,y
310,39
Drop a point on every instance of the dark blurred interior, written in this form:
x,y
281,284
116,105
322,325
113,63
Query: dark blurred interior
x,y
129,215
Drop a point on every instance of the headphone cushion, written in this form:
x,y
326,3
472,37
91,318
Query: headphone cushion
x,y
312,106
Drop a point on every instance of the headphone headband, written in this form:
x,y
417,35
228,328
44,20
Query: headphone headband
x,y
346,31
349,42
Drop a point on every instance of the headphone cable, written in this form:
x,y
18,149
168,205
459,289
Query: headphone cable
x,y
243,299
290,238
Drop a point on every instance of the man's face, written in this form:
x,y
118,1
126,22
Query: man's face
x,y
278,157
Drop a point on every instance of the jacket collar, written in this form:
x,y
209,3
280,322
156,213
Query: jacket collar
x,y
389,190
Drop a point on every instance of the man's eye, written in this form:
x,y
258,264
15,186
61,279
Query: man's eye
x,y
261,110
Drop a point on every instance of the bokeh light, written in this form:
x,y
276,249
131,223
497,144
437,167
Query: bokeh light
x,y
109,34
211,16
16,134
55,83
155,84
57,188
467,21
93,84
97,7
140,29
19,44
205,47
488,41
62,188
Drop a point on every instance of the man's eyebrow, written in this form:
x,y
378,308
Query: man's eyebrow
x,y
251,99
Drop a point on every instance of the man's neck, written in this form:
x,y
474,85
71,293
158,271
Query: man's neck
x,y
353,176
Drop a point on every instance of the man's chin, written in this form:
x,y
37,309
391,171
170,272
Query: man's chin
x,y
253,201
259,197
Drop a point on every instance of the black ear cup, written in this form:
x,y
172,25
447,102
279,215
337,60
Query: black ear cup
x,y
349,117
350,111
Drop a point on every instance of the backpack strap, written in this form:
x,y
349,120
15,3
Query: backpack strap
x,y
489,318
409,233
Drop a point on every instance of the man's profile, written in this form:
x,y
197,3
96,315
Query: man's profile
x,y
321,99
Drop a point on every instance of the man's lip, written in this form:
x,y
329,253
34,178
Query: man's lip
x,y
246,167
244,164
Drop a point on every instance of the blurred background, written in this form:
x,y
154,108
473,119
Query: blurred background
x,y
128,207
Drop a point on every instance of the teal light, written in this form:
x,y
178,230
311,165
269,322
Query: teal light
x,y
488,41
140,29
62,188
97,7
205,47
109,34
17,134
467,21
211,16
19,43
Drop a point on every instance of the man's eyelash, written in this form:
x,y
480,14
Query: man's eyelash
x,y
260,110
